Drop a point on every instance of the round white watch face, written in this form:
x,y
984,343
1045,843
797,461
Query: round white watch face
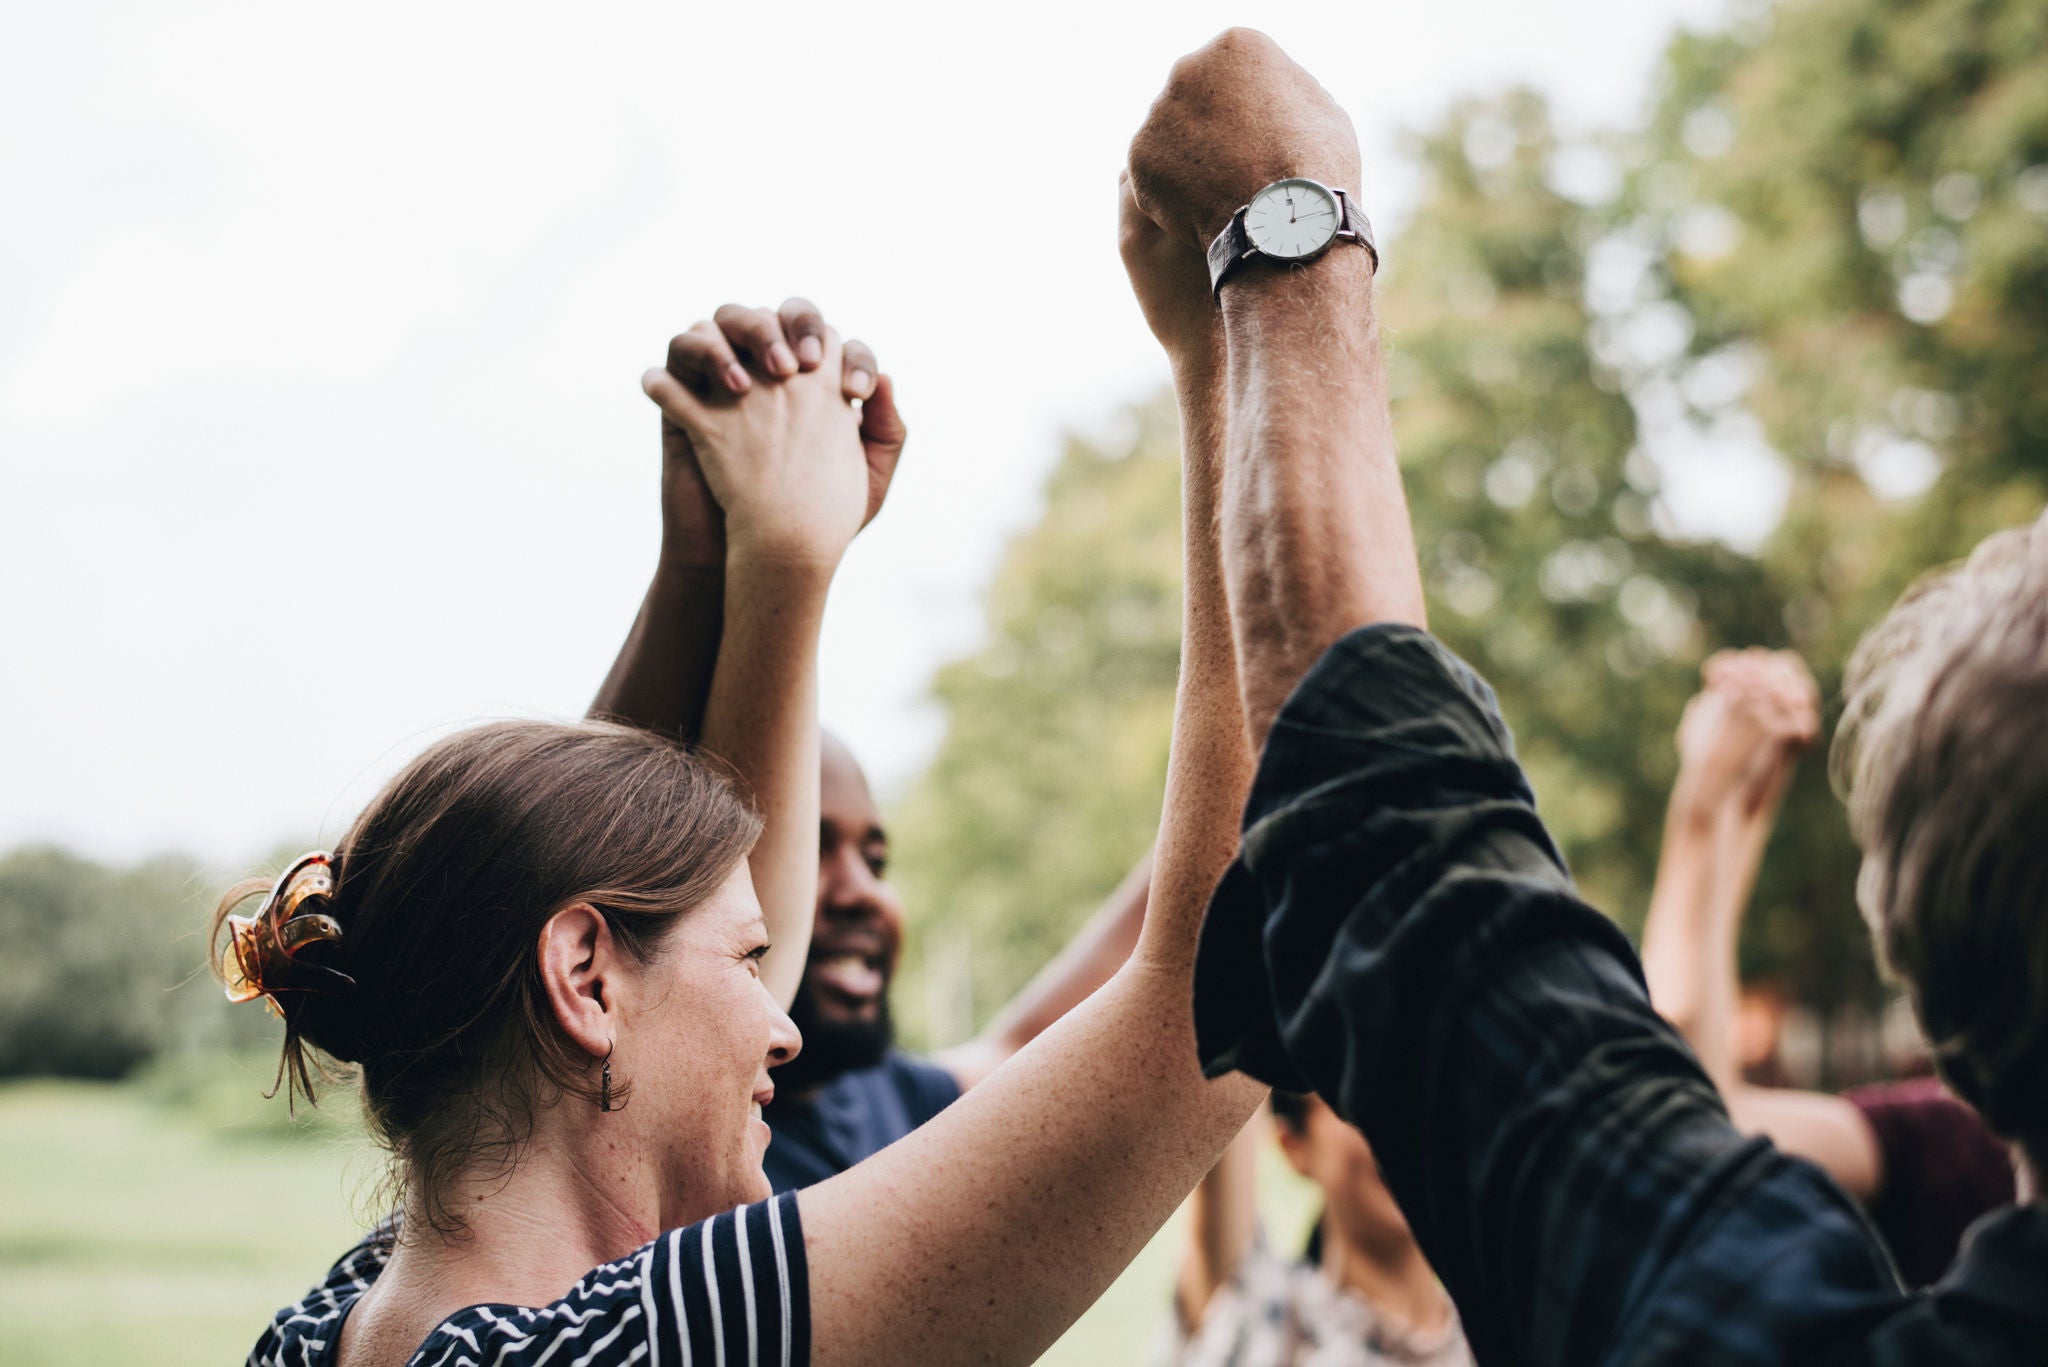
x,y
1292,218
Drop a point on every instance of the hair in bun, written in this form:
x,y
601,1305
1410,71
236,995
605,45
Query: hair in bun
x,y
412,950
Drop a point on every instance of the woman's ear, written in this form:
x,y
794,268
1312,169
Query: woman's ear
x,y
579,967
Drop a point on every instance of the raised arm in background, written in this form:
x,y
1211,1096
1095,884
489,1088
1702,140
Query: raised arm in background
x,y
982,1235
1429,969
1223,1222
1084,964
1171,282
1737,745
759,616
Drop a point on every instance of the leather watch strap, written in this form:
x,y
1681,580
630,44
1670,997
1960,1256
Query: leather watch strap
x,y
1227,249
1234,244
1352,224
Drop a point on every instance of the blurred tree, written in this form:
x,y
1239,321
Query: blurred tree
x,y
103,968
1843,206
1535,508
1046,788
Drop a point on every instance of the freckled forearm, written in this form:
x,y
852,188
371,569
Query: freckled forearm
x,y
762,718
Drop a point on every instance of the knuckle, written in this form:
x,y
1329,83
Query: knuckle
x,y
1239,38
686,349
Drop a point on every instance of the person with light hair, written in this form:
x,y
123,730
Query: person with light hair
x,y
1920,1160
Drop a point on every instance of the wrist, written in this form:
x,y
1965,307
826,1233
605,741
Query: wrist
x,y
686,559
1695,804
1198,368
1341,280
1276,317
785,561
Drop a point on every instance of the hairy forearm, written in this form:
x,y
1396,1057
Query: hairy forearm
x,y
762,719
1315,528
662,676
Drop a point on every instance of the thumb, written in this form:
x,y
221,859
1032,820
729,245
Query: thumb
x,y
881,423
882,435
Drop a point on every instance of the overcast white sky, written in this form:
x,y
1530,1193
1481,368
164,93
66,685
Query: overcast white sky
x,y
320,332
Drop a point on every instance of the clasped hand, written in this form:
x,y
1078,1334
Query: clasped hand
x,y
764,454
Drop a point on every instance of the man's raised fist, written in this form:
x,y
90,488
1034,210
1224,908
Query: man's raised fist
x,y
1235,116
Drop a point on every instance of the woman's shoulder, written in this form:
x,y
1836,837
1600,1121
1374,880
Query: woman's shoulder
x,y
304,1331
733,1288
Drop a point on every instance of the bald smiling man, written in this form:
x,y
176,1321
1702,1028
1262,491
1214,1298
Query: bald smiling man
x,y
851,1091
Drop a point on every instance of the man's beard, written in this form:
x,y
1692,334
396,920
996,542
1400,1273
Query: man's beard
x,y
833,1047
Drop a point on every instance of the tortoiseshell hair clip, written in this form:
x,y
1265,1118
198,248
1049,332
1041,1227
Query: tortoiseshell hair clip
x,y
260,958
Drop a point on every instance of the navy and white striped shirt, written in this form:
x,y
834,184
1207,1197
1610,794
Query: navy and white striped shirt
x,y
730,1290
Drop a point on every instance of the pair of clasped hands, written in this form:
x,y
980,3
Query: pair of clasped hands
x,y
765,453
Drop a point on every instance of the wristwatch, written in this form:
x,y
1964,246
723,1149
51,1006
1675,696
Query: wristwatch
x,y
1296,219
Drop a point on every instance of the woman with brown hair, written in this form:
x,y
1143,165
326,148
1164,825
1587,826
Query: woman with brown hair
x,y
558,956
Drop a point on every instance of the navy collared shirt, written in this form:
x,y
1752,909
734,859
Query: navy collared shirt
x,y
1429,968
856,1114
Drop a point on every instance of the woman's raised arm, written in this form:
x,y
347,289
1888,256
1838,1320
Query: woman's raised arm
x,y
983,1235
796,471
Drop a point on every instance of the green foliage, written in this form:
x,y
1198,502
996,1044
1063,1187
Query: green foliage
x,y
103,968
1532,503
1047,788
1849,201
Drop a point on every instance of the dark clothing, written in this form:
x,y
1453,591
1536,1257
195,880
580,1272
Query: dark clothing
x,y
1941,1171
733,1289
852,1116
1566,1165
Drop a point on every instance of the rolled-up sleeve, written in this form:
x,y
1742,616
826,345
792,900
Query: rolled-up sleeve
x,y
1400,934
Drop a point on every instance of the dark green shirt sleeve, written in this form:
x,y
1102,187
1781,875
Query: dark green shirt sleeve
x,y
1400,934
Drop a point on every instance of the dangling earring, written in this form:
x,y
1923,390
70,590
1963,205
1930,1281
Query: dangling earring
x,y
604,1082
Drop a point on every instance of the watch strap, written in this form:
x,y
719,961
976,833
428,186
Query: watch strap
x,y
1354,226
1228,248
1234,245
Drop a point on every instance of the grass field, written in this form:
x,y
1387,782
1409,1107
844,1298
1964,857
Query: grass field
x,y
164,1221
